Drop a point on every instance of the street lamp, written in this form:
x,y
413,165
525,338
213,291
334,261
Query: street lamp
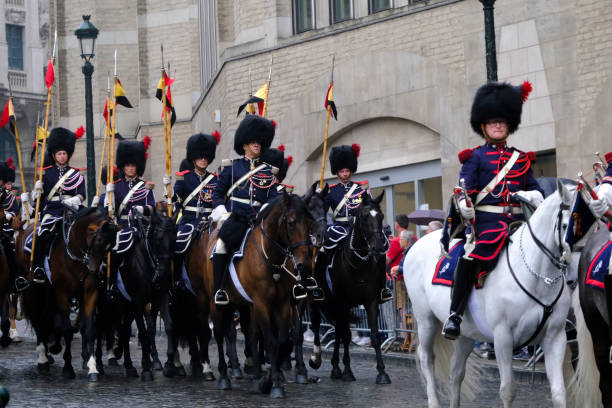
x,y
489,22
87,34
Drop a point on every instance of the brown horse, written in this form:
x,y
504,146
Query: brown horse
x,y
74,259
280,237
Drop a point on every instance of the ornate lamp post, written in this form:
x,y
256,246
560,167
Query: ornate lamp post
x,y
489,23
87,34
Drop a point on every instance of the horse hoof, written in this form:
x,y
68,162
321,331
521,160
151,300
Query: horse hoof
x,y
277,392
131,372
111,362
237,374
5,341
68,373
383,378
336,373
196,371
93,377
315,364
157,365
301,379
146,375
286,365
43,368
264,385
169,370
208,376
347,375
180,371
55,348
224,384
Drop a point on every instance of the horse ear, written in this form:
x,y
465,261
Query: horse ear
x,y
564,193
310,192
378,199
325,190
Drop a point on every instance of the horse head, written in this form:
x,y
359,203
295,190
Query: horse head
x,y
368,226
161,239
92,234
316,207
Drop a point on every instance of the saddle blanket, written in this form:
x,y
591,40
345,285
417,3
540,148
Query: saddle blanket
x,y
238,255
125,239
335,235
599,267
445,268
183,237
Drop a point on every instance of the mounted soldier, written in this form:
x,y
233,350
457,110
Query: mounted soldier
x,y
131,194
11,210
604,192
193,192
61,186
343,200
494,176
244,186
275,157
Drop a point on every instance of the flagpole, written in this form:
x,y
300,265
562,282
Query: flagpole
x,y
18,143
167,131
111,209
106,133
42,160
326,127
265,107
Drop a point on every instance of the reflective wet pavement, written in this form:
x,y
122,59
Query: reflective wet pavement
x,y
28,387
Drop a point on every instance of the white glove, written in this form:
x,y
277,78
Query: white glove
x,y
25,198
38,186
218,212
8,216
466,212
139,209
35,194
167,179
106,202
95,201
72,202
598,207
110,187
533,196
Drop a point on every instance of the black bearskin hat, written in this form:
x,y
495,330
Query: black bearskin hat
x,y
344,157
499,100
11,170
276,158
63,139
186,165
202,145
4,172
254,128
104,174
133,152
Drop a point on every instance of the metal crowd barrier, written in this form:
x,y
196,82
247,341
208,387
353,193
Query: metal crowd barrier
x,y
395,321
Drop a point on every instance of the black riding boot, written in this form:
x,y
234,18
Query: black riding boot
x,y
178,273
608,290
19,282
220,263
318,294
460,293
40,252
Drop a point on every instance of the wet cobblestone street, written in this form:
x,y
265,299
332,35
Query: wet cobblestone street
x,y
28,387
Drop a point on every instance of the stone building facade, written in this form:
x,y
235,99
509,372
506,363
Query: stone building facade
x,y
405,75
24,45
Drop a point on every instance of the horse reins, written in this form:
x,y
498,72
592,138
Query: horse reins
x,y
368,247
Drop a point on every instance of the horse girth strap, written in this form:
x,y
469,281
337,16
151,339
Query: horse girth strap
x,y
244,178
498,177
548,309
346,196
59,183
198,188
129,195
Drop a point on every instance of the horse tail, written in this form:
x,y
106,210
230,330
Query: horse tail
x,y
583,388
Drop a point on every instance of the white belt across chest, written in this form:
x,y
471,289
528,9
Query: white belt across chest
x,y
197,209
58,185
499,209
246,201
343,219
498,177
197,190
129,195
346,196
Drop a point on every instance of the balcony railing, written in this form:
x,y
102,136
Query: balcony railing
x,y
18,79
15,3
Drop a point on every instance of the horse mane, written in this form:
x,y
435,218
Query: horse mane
x,y
296,203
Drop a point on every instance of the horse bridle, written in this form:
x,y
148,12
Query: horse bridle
x,y
86,254
155,259
368,247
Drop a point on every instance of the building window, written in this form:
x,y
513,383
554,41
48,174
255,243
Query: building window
x,y
208,42
341,10
379,5
14,39
303,15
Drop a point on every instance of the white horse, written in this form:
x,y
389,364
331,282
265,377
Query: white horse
x,y
501,312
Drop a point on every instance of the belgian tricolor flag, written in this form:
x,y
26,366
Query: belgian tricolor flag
x,y
159,93
107,112
329,100
8,116
258,99
120,97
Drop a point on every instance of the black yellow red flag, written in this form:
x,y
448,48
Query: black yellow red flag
x,y
329,100
120,96
8,116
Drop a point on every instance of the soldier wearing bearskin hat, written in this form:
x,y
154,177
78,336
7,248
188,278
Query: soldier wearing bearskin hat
x,y
11,210
343,200
244,186
11,204
495,177
193,191
275,157
604,192
61,186
130,194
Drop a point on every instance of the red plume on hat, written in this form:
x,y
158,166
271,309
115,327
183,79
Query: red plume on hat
x,y
281,148
147,142
356,148
217,136
526,90
289,161
10,163
274,124
79,132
